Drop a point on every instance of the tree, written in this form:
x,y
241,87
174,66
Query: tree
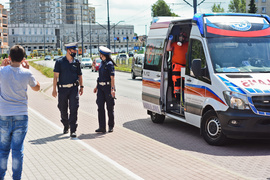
x,y
237,6
252,7
160,8
217,8
243,6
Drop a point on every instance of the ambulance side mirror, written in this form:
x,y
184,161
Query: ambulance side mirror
x,y
196,67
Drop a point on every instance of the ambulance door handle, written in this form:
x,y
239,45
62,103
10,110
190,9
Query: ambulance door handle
x,y
158,75
188,80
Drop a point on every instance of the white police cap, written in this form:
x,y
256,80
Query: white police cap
x,y
104,50
73,45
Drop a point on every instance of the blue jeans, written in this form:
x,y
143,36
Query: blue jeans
x,y
12,133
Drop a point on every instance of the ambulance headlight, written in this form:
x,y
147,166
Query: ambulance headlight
x,y
236,100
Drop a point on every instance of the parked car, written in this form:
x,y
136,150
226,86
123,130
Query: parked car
x,y
56,57
48,57
86,62
130,54
96,64
137,66
121,57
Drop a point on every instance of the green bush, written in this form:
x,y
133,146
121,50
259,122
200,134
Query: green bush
x,y
4,56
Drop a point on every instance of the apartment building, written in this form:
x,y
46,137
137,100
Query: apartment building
x,y
49,12
3,30
263,6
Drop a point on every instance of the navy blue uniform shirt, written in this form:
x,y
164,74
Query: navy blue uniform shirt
x,y
106,70
68,72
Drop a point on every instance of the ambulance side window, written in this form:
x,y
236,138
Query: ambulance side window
x,y
196,52
153,55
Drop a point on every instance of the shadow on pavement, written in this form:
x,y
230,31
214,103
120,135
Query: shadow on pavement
x,y
49,139
183,136
91,136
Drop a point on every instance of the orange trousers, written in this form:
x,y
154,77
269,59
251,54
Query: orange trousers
x,y
176,77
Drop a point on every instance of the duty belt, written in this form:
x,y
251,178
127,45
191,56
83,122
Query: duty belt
x,y
67,85
104,83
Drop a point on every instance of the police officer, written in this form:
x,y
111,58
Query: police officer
x,y
105,90
67,78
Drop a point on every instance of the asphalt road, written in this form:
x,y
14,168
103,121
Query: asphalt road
x,y
125,85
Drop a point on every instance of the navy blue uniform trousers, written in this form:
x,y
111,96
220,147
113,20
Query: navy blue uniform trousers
x,y
69,97
104,95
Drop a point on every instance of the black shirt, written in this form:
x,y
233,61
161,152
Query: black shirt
x,y
106,70
68,72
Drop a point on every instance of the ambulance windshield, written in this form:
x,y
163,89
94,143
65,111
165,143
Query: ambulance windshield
x,y
240,54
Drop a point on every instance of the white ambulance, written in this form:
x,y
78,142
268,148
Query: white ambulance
x,y
226,81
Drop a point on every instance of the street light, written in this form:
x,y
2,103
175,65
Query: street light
x,y
114,33
109,31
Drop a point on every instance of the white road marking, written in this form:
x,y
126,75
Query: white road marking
x,y
104,157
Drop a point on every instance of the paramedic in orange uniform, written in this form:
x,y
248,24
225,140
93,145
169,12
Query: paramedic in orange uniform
x,y
178,59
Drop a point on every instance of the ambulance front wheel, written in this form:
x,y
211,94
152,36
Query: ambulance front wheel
x,y
157,118
211,129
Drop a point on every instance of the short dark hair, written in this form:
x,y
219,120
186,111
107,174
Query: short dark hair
x,y
17,53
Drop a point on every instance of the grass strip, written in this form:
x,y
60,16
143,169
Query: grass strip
x,y
48,72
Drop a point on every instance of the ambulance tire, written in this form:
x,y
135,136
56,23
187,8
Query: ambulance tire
x,y
157,118
211,129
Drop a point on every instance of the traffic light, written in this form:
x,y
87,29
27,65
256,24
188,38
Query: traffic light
x,y
118,39
127,37
137,38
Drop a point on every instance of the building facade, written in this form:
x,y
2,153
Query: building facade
x,y
34,36
263,6
50,12
3,30
49,37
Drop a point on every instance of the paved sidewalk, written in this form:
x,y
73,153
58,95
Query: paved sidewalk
x,y
49,154
52,155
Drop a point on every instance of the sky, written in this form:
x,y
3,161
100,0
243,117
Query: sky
x,y
138,12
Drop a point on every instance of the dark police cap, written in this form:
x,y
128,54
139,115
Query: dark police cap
x,y
72,45
104,50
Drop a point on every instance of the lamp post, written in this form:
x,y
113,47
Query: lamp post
x,y
114,37
44,35
90,33
127,43
195,6
109,39
77,39
82,29
98,40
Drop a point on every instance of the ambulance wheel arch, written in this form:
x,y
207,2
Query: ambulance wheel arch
x,y
211,129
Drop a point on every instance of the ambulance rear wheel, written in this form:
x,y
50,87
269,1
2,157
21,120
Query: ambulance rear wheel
x,y
211,129
157,118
